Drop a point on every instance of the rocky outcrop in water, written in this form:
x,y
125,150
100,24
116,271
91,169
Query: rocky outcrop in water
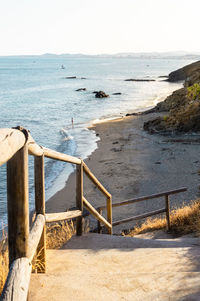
x,y
81,89
139,80
100,94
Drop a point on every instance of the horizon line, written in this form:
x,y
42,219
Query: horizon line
x,y
176,52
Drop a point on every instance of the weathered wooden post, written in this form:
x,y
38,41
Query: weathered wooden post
x,y
40,209
109,212
99,227
79,198
18,208
167,212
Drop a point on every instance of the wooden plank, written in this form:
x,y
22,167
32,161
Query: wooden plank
x,y
35,235
167,212
109,212
145,198
11,141
79,198
61,157
33,148
138,217
96,214
55,217
37,150
18,209
17,283
40,209
92,177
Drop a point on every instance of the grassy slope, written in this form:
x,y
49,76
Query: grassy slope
x,y
184,220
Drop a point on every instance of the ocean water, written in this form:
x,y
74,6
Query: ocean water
x,y
35,93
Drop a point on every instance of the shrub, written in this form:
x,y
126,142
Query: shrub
x,y
193,92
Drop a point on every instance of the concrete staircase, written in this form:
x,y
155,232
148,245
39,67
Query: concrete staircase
x,y
97,267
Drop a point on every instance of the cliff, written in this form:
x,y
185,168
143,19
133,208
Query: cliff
x,y
185,73
182,107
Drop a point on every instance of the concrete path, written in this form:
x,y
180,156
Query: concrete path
x,y
110,268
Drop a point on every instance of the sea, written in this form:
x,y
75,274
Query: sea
x,y
37,93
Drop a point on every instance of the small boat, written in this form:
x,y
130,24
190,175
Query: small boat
x,y
62,67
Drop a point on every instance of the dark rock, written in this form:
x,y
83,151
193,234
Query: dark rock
x,y
83,78
117,93
114,149
81,89
163,76
100,94
139,80
70,77
132,114
185,72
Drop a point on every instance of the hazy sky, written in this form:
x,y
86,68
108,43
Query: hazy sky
x,y
98,26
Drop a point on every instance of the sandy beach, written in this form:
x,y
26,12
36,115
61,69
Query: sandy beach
x,y
130,162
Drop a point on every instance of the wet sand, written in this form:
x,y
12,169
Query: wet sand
x,y
130,162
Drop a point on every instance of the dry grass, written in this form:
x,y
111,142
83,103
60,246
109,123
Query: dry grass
x,y
57,234
184,220
3,260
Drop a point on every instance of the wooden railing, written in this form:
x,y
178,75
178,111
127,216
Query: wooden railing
x,y
23,243
148,214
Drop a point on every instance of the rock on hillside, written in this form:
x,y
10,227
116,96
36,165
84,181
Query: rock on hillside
x,y
177,98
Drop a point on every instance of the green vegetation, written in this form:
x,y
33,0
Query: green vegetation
x,y
165,118
193,92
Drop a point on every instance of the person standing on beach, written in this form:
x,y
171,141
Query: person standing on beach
x,y
72,122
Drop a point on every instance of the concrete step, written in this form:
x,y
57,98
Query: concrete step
x,y
97,241
102,267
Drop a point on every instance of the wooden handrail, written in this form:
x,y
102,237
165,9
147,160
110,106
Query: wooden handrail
x,y
35,235
145,198
11,140
92,177
36,150
15,145
55,217
61,157
137,217
96,214
17,282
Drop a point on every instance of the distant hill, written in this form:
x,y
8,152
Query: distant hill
x,y
143,55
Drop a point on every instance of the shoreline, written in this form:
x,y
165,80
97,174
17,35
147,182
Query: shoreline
x,y
131,112
130,162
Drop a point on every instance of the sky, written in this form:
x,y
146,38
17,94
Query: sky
x,y
98,26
